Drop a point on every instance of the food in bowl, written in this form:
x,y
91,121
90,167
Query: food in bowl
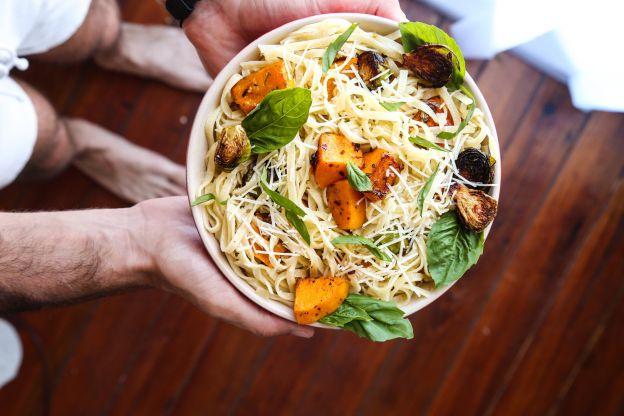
x,y
348,173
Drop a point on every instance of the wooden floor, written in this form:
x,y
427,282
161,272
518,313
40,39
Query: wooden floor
x,y
535,328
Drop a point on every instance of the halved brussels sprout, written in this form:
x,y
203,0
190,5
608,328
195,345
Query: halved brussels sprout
x,y
433,64
476,209
370,65
233,148
475,166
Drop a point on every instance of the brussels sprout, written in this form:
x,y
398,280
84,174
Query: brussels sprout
x,y
370,65
433,64
233,148
475,166
476,209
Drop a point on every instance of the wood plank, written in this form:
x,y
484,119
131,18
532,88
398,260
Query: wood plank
x,y
580,305
528,282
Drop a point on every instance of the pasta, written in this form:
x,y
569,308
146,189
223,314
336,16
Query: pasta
x,y
394,223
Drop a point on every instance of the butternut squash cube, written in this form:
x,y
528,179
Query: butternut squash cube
x,y
347,70
316,297
249,91
347,205
377,165
331,158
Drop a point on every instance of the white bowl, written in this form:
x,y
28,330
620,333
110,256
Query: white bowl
x,y
197,149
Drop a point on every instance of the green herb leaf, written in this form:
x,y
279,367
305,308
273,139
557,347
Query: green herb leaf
x,y
293,211
424,192
334,47
451,249
414,34
299,225
205,198
277,119
358,179
280,200
394,247
422,142
366,242
449,135
370,318
391,106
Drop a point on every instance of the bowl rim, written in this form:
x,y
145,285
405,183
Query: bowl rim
x,y
197,146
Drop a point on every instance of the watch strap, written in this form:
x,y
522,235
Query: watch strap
x,y
180,9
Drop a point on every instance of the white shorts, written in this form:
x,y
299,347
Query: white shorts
x,y
27,27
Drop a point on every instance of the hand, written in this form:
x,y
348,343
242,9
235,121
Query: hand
x,y
219,29
169,237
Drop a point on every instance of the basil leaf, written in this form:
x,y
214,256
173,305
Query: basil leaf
x,y
422,142
299,225
358,179
370,318
414,34
368,243
424,192
205,198
293,212
394,247
334,47
344,314
277,119
280,200
451,249
391,106
449,135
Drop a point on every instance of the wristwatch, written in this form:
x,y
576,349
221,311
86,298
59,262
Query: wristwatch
x,y
180,9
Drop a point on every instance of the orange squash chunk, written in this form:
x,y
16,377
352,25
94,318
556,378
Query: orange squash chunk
x,y
249,91
377,165
331,84
347,205
316,297
435,103
331,158
264,257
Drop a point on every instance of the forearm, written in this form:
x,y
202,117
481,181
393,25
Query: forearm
x,y
58,257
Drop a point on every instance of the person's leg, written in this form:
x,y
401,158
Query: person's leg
x,y
154,51
127,170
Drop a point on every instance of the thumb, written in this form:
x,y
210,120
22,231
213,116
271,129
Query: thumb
x,y
391,10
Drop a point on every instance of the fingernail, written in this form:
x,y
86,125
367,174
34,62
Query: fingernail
x,y
303,333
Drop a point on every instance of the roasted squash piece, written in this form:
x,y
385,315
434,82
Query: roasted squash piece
x,y
347,205
316,297
377,165
331,158
257,248
435,103
331,84
249,91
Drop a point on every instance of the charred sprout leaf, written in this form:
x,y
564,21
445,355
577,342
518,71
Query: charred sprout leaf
x,y
277,119
370,318
358,179
292,210
334,47
366,242
370,65
414,34
474,165
451,249
422,142
424,192
433,64
206,198
476,209
391,106
471,108
233,148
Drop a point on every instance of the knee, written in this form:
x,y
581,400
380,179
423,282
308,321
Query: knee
x,y
53,152
109,24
